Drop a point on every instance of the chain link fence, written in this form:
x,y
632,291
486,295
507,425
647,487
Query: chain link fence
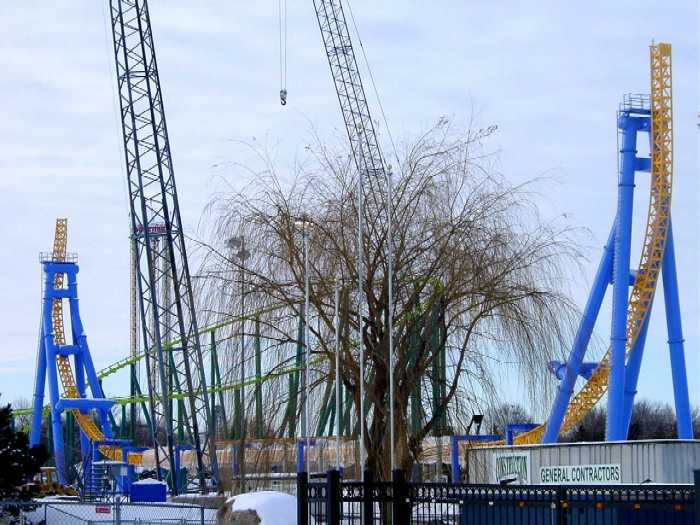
x,y
57,512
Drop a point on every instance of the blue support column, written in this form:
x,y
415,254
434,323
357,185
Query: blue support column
x,y
50,351
38,401
583,336
634,363
684,422
621,269
84,446
454,460
80,375
300,455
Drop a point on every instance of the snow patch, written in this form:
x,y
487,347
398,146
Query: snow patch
x,y
273,508
148,481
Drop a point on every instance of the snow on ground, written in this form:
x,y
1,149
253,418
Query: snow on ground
x,y
74,513
436,512
273,508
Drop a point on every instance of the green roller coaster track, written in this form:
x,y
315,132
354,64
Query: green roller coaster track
x,y
327,416
214,389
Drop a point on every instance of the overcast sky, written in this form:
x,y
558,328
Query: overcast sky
x,y
550,74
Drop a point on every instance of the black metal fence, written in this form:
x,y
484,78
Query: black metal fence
x,y
332,501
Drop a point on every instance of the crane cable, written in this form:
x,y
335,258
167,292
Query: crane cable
x,y
282,10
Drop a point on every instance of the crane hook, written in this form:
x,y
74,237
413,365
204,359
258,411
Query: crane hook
x,y
283,97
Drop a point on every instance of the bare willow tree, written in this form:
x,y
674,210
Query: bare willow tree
x,y
477,280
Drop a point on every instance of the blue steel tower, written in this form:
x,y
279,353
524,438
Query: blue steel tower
x,y
53,363
631,309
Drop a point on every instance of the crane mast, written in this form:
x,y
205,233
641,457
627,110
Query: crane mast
x,y
166,302
370,167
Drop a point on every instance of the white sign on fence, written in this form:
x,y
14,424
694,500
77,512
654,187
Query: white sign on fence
x,y
581,475
514,468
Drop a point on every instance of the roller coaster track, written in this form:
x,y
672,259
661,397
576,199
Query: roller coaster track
x,y
658,220
65,372
132,359
226,387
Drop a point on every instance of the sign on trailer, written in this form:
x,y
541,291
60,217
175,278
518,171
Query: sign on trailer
x,y
512,467
581,475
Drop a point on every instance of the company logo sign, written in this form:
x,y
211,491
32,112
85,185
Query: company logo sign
x,y
581,475
514,468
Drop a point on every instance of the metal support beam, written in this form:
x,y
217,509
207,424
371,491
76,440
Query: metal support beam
x,y
684,423
583,337
634,363
259,424
629,126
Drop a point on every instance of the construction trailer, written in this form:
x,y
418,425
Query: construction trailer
x,y
601,463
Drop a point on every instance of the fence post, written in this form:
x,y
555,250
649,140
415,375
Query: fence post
x,y
400,508
117,512
367,503
333,497
302,498
562,506
201,513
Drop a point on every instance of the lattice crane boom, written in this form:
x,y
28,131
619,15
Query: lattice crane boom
x,y
350,90
166,300
366,153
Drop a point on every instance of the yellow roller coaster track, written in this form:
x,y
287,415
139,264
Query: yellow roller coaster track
x,y
658,220
85,422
